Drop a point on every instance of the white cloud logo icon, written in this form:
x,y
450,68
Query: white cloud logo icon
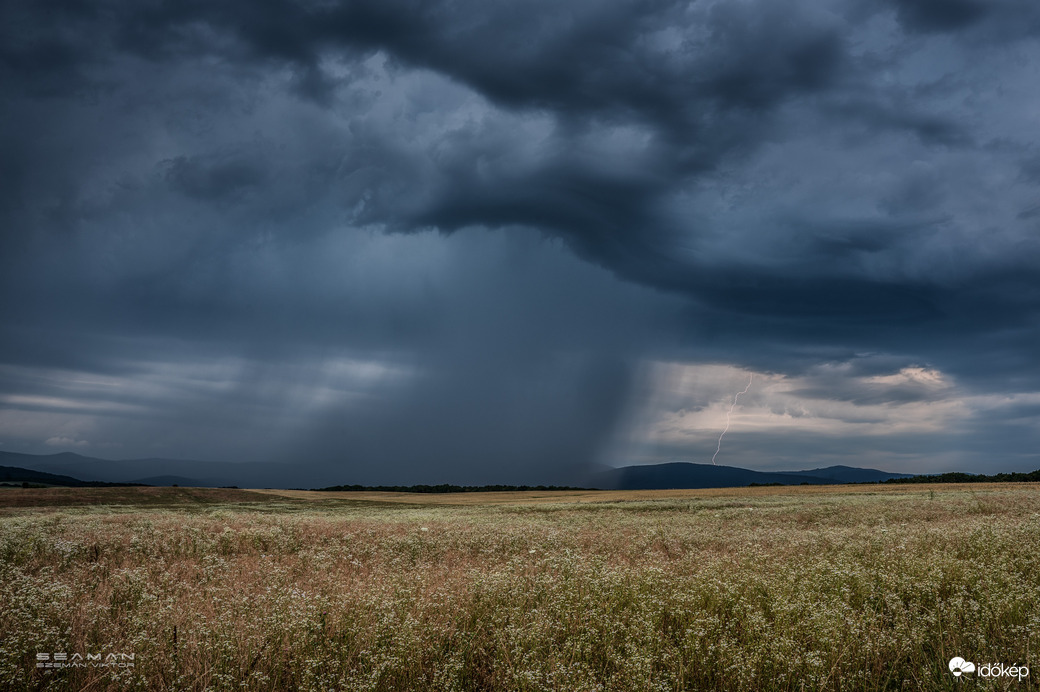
x,y
958,665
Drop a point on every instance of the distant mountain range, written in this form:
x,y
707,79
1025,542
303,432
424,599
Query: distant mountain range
x,y
851,474
12,475
198,474
688,475
78,470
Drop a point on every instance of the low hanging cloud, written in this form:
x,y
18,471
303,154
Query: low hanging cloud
x,y
65,442
513,214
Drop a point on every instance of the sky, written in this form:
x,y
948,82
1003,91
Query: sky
x,y
498,242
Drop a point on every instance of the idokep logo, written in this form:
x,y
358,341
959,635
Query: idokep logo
x,y
999,670
958,666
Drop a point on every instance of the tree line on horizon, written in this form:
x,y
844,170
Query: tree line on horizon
x,y
960,477
446,488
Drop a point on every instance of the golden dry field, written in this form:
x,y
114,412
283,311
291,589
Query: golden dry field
x,y
797,588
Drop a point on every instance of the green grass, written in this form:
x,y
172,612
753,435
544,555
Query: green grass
x,y
770,589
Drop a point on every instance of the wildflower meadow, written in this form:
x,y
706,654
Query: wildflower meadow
x,y
836,588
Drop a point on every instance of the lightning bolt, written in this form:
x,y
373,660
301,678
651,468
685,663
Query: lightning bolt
x,y
732,406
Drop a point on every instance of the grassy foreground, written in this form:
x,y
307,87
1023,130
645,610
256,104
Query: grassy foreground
x,y
843,588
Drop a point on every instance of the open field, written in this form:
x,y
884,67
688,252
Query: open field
x,y
822,587
601,496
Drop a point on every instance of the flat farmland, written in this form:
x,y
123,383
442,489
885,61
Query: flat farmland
x,y
860,587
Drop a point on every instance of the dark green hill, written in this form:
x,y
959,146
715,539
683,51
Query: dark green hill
x,y
13,475
687,475
851,474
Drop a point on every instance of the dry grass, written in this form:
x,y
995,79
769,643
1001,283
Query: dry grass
x,y
847,588
37,498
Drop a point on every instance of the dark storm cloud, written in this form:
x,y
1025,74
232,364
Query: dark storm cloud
x,y
579,57
777,184
941,15
214,177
